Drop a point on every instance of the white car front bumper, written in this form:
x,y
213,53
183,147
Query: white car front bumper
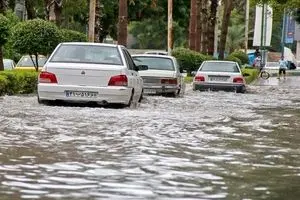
x,y
110,94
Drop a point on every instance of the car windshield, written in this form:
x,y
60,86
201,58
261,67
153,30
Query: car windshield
x,y
71,53
219,67
8,64
156,63
27,62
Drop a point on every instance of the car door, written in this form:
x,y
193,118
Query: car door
x,y
135,81
180,76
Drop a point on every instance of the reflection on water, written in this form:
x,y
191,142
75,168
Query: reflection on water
x,y
211,145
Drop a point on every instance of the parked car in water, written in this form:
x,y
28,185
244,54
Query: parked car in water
x,y
9,64
163,75
219,75
90,72
26,63
157,52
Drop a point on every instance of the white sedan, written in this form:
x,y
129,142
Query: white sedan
x,y
219,75
90,72
163,75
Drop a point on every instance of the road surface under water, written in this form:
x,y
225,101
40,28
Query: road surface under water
x,y
208,145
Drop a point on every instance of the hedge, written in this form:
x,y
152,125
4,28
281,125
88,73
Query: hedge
x,y
241,55
189,60
18,82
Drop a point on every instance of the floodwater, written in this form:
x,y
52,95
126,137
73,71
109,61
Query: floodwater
x,y
208,145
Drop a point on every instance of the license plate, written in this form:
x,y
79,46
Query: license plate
x,y
81,94
218,78
149,91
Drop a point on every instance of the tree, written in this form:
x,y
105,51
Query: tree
x,y
193,25
34,37
31,13
4,33
199,25
122,25
228,6
54,10
211,27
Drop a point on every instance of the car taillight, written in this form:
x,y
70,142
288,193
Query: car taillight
x,y
169,81
119,80
238,80
47,77
200,78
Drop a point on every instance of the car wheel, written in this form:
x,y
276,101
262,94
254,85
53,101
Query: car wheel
x,y
240,90
141,97
44,102
130,100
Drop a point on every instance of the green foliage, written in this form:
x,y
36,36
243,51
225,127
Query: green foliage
x,y
235,59
35,37
189,60
241,55
251,74
72,36
4,29
3,84
18,82
8,50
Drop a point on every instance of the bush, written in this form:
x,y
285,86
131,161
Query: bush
x,y
18,82
242,56
72,36
251,74
35,37
235,59
189,60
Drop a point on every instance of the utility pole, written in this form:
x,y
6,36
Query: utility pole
x,y
92,16
262,33
246,24
283,32
170,26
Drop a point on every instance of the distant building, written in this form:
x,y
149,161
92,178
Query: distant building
x,y
20,9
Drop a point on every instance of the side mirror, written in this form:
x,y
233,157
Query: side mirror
x,y
193,73
141,68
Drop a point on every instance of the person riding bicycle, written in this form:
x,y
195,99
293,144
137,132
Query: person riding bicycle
x,y
282,67
257,63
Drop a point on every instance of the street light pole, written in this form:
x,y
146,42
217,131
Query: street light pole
x,y
246,25
92,15
170,26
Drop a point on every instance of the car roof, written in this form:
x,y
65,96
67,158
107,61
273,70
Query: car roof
x,y
153,55
91,43
220,61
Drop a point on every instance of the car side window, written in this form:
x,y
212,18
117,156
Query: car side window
x,y
128,59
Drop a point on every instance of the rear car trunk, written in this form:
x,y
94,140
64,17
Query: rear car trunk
x,y
97,75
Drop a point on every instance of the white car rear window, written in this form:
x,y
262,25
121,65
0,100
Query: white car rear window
x,y
155,63
219,67
87,54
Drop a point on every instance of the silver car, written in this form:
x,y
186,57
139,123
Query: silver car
x,y
9,64
163,75
219,75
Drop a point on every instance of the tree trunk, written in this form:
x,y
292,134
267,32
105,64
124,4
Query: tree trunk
x,y
3,7
211,26
54,10
97,21
228,6
122,25
204,26
1,59
192,26
199,26
29,4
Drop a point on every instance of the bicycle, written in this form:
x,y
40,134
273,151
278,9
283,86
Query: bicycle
x,y
264,74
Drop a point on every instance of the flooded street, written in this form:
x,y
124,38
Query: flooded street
x,y
208,145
